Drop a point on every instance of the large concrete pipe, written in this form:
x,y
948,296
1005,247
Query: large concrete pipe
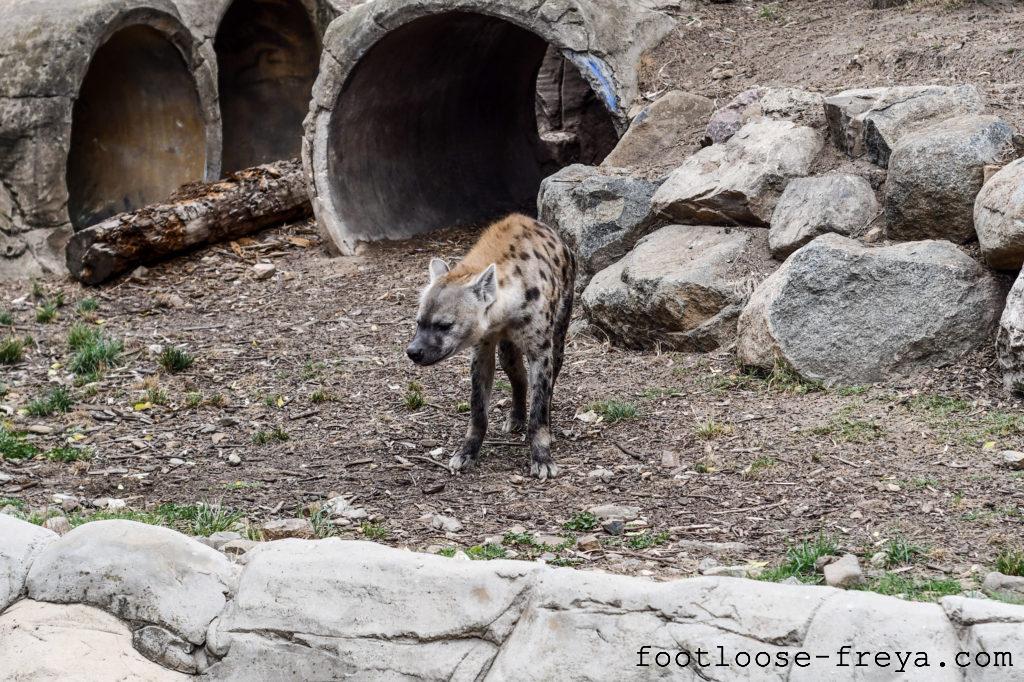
x,y
425,112
266,54
105,106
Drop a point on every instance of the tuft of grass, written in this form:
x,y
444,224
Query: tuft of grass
x,y
759,465
655,393
614,410
322,396
274,400
710,429
13,445
939,405
157,396
850,391
844,428
264,437
462,407
581,522
202,519
519,540
80,335
5,319
322,526
486,552
781,378
646,540
898,585
193,399
88,306
12,351
770,12
95,356
1011,562
242,485
375,531
57,400
175,359
217,400
448,551
46,313
800,560
502,385
414,397
900,552
66,453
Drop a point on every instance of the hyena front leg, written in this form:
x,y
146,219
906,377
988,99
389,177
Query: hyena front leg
x,y
483,379
541,464
512,362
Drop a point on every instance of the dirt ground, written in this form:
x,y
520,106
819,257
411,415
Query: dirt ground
x,y
719,50
302,376
711,454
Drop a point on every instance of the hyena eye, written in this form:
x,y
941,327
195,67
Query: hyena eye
x,y
442,327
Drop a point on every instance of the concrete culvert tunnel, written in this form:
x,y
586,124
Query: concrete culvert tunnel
x,y
268,53
434,113
105,106
137,131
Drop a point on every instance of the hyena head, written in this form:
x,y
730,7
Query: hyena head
x,y
452,315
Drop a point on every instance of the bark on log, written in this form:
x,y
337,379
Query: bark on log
x,y
201,213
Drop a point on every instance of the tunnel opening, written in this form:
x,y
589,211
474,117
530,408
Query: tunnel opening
x,y
137,128
454,119
268,54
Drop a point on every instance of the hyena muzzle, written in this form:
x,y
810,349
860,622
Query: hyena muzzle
x,y
511,295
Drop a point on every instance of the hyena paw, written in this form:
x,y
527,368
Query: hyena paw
x,y
513,425
461,460
544,470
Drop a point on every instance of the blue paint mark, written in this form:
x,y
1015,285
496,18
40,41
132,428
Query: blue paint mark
x,y
597,68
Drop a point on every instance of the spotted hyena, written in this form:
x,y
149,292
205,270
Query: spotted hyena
x,y
512,294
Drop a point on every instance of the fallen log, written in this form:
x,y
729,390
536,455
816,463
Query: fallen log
x,y
201,213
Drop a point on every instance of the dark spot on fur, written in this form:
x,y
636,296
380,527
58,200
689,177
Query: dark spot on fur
x,y
546,344
519,271
532,294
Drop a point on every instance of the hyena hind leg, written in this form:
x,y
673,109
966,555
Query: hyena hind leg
x,y
541,464
483,379
512,363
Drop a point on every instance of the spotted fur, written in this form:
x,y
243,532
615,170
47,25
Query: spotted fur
x,y
512,295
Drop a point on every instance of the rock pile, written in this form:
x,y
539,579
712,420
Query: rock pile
x,y
671,262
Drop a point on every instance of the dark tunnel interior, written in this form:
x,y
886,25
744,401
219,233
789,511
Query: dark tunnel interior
x,y
268,54
137,130
454,119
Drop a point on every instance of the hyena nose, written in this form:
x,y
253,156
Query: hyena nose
x,y
415,354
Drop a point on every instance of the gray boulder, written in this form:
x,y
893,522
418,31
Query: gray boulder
x,y
137,572
871,121
840,311
781,104
21,543
664,133
1010,339
599,212
334,609
809,207
682,287
936,173
739,182
999,585
999,218
60,642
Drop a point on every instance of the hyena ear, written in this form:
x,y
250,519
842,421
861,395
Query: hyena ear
x,y
486,285
438,268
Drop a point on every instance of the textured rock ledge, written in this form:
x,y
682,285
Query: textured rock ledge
x,y
334,609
